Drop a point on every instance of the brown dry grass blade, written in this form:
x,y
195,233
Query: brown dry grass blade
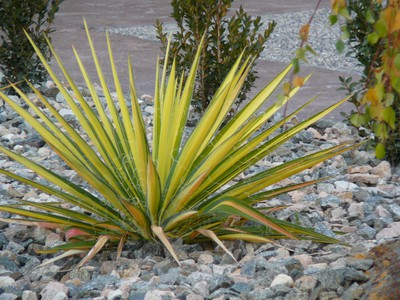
x,y
65,254
159,232
101,241
121,246
210,234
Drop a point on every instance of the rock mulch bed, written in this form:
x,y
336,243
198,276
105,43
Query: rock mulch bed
x,y
361,201
284,40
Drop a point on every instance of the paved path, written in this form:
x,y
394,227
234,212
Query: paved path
x,y
127,13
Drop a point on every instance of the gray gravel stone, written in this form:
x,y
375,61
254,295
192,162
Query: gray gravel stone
x,y
15,248
359,264
395,209
100,282
282,290
353,292
168,278
328,295
8,264
29,295
354,275
296,295
330,202
163,267
262,294
31,263
8,296
249,269
331,279
241,287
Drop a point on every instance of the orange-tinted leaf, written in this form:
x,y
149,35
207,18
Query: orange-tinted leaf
x,y
298,81
396,23
286,88
74,232
337,5
48,225
371,96
304,30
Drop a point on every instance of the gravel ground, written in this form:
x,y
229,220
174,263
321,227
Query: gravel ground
x,y
283,41
360,205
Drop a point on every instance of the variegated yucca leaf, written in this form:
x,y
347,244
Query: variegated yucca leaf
x,y
170,186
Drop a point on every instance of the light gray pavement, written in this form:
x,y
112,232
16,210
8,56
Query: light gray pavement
x,y
127,13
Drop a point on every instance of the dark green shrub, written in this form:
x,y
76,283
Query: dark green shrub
x,y
226,38
18,60
375,41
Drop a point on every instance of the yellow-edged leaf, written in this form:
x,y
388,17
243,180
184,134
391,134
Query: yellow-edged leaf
x,y
178,203
153,192
178,219
251,238
233,206
139,145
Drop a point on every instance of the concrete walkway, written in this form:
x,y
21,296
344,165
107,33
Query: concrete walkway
x,y
127,13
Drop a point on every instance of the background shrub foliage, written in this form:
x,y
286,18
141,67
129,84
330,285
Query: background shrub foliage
x,y
372,30
225,40
166,185
18,59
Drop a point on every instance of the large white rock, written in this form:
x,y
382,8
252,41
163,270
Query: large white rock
x,y
117,294
342,185
149,110
6,281
66,112
29,295
54,290
282,279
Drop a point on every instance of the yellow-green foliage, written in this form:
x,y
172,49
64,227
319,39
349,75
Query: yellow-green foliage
x,y
168,187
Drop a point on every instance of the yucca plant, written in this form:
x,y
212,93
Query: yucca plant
x,y
168,187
